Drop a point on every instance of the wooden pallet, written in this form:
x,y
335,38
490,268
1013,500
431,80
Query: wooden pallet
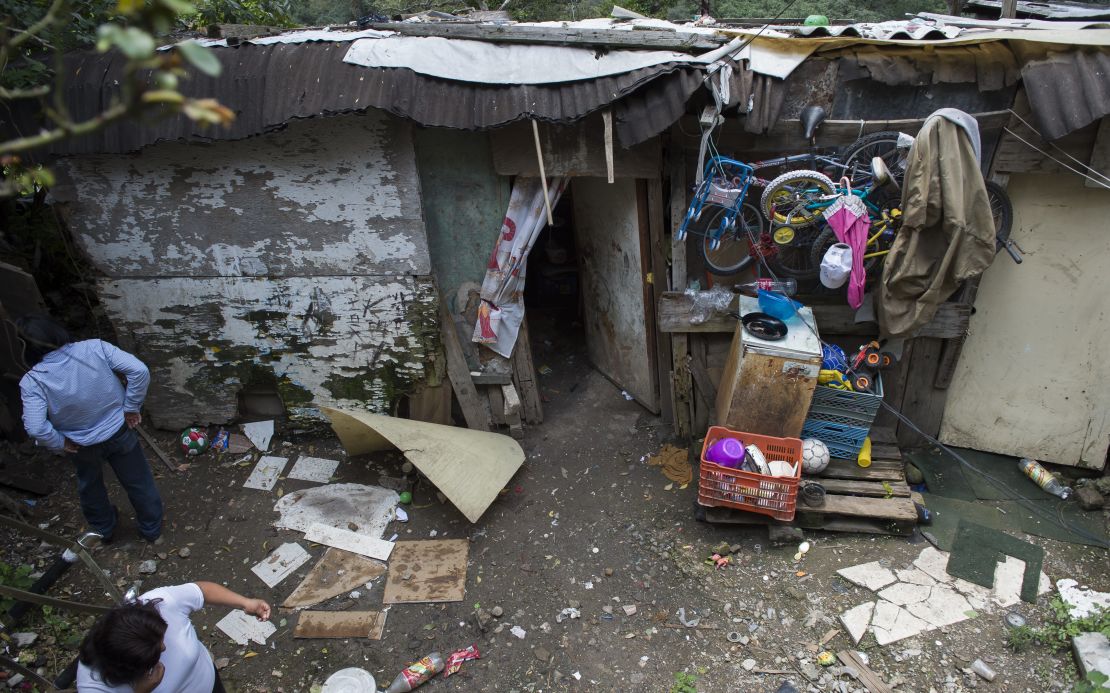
x,y
870,500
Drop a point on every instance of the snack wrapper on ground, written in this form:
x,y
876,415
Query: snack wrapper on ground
x,y
455,659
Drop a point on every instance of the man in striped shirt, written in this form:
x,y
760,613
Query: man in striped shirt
x,y
74,402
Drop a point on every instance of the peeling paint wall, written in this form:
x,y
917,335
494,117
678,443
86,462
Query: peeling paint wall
x,y
297,260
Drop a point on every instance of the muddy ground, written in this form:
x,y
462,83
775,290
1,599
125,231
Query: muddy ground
x,y
586,523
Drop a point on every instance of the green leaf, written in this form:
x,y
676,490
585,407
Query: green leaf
x,y
133,42
201,58
179,7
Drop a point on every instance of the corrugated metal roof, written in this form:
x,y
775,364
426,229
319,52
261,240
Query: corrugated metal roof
x,y
1067,91
1047,10
267,85
909,30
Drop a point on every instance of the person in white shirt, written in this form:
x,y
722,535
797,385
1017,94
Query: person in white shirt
x,y
151,645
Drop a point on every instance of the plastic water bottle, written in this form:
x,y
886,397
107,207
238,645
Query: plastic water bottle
x,y
417,674
786,287
1043,478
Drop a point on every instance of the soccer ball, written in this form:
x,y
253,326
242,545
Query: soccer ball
x,y
194,440
815,456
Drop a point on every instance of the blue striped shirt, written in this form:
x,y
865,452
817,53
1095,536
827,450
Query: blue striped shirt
x,y
74,393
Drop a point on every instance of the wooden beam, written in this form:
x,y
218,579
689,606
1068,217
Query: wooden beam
x,y
654,39
682,386
524,376
459,374
922,403
1100,154
173,466
658,279
1009,9
676,309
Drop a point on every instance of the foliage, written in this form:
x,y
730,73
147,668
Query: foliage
x,y
37,32
1062,627
1096,682
1019,639
684,683
264,12
13,576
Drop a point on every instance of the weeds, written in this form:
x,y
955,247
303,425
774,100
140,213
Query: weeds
x,y
684,683
14,576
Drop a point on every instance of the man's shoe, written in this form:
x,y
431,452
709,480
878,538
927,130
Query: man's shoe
x,y
154,541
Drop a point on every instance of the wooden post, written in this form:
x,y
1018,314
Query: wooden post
x,y
1009,9
676,165
657,242
458,373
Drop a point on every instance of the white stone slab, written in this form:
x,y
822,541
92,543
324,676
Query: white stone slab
x,y
934,564
943,607
891,623
266,473
904,593
1082,602
346,540
259,433
914,576
870,575
243,628
857,619
315,469
356,507
281,562
1092,653
1008,576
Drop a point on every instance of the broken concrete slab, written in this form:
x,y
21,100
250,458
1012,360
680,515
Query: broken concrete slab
x,y
259,433
872,575
469,467
315,469
857,619
914,576
337,572
904,593
1081,600
242,628
355,507
340,624
371,547
943,607
266,473
1092,653
891,623
281,563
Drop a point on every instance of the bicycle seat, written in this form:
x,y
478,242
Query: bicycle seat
x,y
812,117
880,173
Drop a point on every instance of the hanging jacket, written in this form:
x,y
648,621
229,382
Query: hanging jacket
x,y
947,232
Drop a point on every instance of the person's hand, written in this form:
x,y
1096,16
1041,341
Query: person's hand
x,y
133,418
70,446
151,680
257,608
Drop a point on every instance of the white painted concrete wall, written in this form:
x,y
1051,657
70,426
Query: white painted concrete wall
x,y
297,258
1034,377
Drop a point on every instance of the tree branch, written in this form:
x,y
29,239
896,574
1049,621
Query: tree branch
x,y
31,32
64,130
14,94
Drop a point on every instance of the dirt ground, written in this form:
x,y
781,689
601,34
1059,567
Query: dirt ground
x,y
587,524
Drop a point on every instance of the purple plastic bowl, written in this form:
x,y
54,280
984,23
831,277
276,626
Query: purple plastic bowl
x,y
727,452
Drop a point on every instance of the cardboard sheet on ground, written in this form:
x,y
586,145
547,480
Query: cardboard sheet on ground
x,y
259,433
371,547
353,507
337,572
469,467
315,469
427,571
266,473
340,624
281,563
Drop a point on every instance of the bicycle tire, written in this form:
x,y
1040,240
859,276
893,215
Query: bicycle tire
x,y
734,254
793,259
782,199
857,156
824,241
1003,212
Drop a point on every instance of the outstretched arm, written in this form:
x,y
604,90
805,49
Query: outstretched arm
x,y
222,596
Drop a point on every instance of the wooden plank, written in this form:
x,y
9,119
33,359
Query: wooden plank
x,y
922,403
872,489
871,681
346,540
491,378
431,404
896,509
676,308
496,404
459,374
512,411
173,466
340,624
427,571
577,150
878,471
882,435
884,451
707,389
857,525
654,39
1100,153
703,409
657,278
524,376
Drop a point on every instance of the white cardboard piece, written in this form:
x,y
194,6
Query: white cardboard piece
x,y
242,628
346,540
281,562
266,473
259,434
315,469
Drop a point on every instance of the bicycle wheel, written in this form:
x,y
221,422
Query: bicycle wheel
x,y
857,157
792,258
826,239
794,198
733,254
1003,212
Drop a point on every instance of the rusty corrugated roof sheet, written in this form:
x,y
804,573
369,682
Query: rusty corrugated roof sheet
x,y
267,85
1067,91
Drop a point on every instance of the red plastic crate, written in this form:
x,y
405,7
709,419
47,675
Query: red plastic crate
x,y
776,496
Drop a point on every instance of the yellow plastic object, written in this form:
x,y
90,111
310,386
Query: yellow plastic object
x,y
864,459
834,379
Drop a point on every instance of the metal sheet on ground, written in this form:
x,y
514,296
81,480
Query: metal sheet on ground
x,y
340,624
337,572
469,467
427,571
